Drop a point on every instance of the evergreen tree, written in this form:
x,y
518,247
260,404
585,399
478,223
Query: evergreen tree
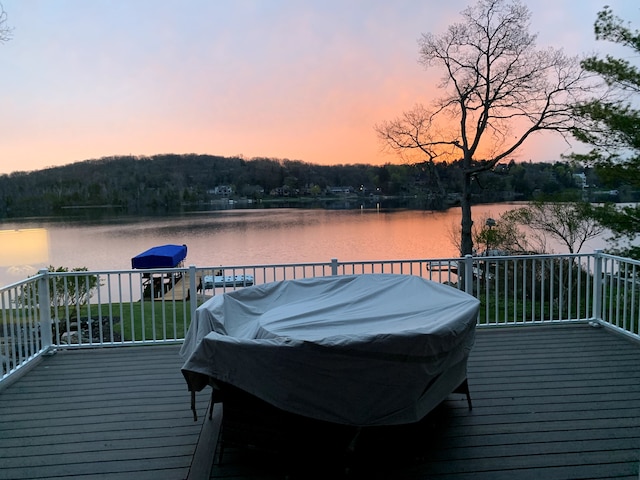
x,y
611,125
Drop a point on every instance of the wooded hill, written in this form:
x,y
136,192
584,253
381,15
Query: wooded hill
x,y
169,182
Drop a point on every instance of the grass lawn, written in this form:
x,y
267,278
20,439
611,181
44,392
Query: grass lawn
x,y
138,320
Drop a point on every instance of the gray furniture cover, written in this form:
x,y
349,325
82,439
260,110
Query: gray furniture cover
x,y
377,349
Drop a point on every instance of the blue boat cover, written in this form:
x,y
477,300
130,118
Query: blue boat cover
x,y
162,256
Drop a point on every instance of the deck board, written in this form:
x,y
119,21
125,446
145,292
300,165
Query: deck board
x,y
103,413
552,402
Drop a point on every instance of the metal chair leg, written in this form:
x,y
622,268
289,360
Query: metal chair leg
x,y
464,388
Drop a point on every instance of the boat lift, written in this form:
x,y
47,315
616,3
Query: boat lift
x,y
157,285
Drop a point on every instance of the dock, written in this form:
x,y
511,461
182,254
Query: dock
x,y
180,289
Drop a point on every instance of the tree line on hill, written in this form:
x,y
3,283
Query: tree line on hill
x,y
171,182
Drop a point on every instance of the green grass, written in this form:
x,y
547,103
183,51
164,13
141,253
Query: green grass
x,y
141,321
145,321
500,310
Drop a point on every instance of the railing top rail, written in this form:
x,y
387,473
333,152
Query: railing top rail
x,y
311,264
20,283
533,256
389,260
620,259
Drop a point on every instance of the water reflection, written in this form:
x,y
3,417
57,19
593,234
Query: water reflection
x,y
23,252
260,236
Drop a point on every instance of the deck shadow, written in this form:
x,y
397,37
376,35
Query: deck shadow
x,y
308,448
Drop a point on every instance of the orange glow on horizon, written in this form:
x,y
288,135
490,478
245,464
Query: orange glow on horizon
x,y
234,78
24,248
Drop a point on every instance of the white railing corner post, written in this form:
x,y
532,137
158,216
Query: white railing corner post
x,y
44,309
193,293
468,274
334,266
597,285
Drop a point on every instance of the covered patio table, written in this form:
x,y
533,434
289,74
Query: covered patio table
x,y
373,349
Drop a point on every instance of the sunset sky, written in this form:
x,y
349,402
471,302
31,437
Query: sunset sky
x,y
296,79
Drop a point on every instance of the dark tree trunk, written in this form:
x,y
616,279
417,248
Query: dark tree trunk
x,y
466,240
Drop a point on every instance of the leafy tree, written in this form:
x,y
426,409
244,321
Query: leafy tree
x,y
612,126
526,230
492,236
570,223
499,90
71,291
498,236
67,294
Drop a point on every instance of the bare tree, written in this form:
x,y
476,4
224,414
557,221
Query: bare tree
x,y
499,90
505,235
570,223
6,31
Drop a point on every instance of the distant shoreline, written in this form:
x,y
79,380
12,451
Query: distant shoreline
x,y
387,204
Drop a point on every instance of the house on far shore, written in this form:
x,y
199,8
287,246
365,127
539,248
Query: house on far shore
x,y
339,190
580,179
284,191
221,190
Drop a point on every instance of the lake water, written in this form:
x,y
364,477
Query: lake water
x,y
238,237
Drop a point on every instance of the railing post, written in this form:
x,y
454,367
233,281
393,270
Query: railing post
x,y
468,274
334,266
44,308
597,286
193,293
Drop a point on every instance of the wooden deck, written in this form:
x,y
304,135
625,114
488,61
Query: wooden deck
x,y
556,402
111,413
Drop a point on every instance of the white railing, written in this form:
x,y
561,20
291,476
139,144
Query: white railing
x,y
24,332
132,307
616,297
532,289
